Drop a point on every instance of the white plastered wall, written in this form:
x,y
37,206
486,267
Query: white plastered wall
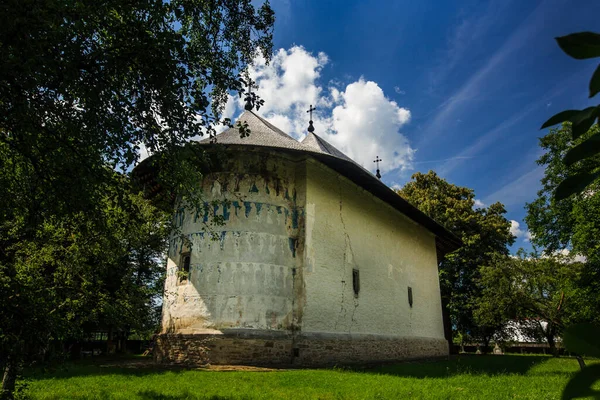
x,y
242,273
348,228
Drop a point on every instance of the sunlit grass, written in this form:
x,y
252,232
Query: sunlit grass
x,y
465,377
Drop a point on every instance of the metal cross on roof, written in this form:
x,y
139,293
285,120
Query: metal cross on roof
x,y
311,128
377,160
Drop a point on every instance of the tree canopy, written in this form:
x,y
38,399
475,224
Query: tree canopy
x,y
484,231
85,85
581,46
572,223
540,295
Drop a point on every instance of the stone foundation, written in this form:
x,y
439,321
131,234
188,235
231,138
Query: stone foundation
x,y
271,348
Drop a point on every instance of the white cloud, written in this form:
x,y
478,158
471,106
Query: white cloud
x,y
571,257
288,82
398,90
366,124
228,112
357,118
515,230
143,152
479,203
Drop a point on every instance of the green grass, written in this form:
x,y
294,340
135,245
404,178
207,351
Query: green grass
x,y
464,377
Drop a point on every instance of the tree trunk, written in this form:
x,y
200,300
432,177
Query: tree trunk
x,y
581,362
486,344
549,333
552,345
110,347
9,378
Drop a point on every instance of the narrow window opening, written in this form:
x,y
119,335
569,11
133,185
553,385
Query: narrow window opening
x,y
355,281
410,296
185,267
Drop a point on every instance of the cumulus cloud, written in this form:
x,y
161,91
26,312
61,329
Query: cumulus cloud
x,y
356,117
228,112
480,204
573,258
515,230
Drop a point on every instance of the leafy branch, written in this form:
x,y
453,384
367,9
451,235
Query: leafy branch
x,y
582,45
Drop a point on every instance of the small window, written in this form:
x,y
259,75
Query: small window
x,y
184,267
410,296
355,281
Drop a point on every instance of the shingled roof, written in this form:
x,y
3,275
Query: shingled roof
x,y
265,134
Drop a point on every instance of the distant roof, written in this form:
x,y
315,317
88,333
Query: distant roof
x,y
265,134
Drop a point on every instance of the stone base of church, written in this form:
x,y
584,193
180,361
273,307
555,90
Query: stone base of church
x,y
277,348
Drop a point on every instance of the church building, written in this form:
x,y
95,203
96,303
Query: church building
x,y
315,262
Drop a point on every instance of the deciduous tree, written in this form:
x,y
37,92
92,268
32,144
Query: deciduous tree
x,y
542,295
84,85
484,231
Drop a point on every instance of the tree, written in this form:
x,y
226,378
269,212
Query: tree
x,y
572,223
85,85
78,273
484,231
582,45
541,295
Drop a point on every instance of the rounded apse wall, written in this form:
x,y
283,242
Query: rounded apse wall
x,y
241,272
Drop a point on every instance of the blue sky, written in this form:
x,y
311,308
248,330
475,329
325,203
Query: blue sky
x,y
460,87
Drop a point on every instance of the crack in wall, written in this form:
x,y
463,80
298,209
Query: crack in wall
x,y
352,320
342,313
348,247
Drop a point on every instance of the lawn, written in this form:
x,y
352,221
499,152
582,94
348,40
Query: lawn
x,y
464,377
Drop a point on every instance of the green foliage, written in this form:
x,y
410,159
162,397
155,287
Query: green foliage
x,y
565,217
83,90
484,232
581,45
532,290
572,223
583,339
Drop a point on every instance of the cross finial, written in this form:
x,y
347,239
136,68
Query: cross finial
x,y
311,128
248,106
377,160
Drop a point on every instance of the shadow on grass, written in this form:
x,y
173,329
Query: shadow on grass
x,y
456,365
100,366
459,365
152,395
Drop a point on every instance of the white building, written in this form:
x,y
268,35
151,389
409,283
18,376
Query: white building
x,y
318,261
